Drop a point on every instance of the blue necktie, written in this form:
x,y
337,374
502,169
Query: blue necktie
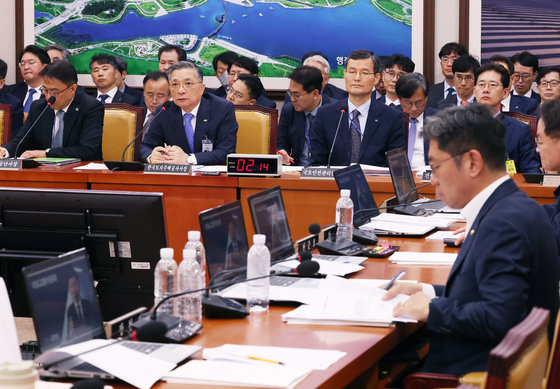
x,y
29,101
451,92
189,131
103,98
58,132
411,137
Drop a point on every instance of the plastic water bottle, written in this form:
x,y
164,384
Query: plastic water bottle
x,y
189,277
195,243
344,216
258,264
165,280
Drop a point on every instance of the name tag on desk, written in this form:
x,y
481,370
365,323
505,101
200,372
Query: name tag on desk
x,y
552,180
167,168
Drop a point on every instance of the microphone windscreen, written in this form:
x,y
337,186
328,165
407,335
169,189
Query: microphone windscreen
x,y
152,331
308,268
305,256
166,105
344,108
51,100
92,383
314,228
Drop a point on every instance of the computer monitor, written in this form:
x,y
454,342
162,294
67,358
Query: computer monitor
x,y
401,175
122,232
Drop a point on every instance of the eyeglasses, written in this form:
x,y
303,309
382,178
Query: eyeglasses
x,y
296,96
363,73
540,142
186,85
449,58
546,84
460,78
436,165
53,92
30,63
392,74
408,103
237,94
522,77
490,85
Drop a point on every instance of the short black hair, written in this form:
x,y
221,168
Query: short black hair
x,y
61,70
409,83
226,57
103,59
55,46
3,69
452,47
246,63
312,54
492,66
550,115
309,77
253,83
122,64
401,61
544,71
383,61
154,76
460,129
526,59
181,53
502,58
465,63
40,53
364,54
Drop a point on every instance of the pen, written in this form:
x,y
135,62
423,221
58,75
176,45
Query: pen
x,y
395,279
289,158
266,360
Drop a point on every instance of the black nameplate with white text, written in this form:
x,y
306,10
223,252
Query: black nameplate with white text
x,y
317,172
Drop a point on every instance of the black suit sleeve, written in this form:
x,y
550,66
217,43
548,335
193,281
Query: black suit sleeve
x,y
283,135
225,141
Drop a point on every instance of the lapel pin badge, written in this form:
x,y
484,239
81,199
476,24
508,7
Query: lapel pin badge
x,y
472,232
205,120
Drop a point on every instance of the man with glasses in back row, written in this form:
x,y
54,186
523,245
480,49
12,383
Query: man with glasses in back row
x,y
73,128
464,69
548,83
525,71
395,67
447,55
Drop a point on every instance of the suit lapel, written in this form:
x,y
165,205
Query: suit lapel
x,y
202,120
299,121
70,119
371,127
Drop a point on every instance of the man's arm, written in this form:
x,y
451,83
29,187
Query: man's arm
x,y
318,139
528,159
283,134
225,141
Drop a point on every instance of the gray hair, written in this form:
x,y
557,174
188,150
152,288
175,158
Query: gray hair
x,y
319,59
63,50
185,65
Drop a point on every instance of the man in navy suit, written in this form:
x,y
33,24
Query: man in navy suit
x,y
134,94
246,65
507,264
8,99
365,129
464,69
104,73
396,66
412,90
492,85
72,128
448,53
81,314
297,116
525,70
221,64
246,90
198,128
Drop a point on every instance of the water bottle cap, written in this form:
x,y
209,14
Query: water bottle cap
x,y
345,192
189,254
166,252
194,235
259,239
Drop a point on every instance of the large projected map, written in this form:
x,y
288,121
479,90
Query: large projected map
x,y
276,33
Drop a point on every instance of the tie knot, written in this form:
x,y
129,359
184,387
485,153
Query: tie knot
x,y
60,114
103,97
464,102
31,92
413,120
355,114
188,116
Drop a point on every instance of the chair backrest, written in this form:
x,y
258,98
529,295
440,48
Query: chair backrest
x,y
519,360
529,120
121,124
5,123
552,378
257,129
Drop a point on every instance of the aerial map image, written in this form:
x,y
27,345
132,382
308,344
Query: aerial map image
x,y
276,33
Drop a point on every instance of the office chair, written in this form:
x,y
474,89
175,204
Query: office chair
x,y
257,129
122,122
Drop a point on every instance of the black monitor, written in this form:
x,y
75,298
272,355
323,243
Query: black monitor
x,y
122,232
401,175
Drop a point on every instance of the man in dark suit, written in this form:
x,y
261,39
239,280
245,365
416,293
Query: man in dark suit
x,y
104,73
297,116
492,85
221,64
412,90
135,94
170,54
72,128
448,53
508,262
246,90
367,129
8,99
156,92
464,69
81,314
246,65
198,128
396,66
525,70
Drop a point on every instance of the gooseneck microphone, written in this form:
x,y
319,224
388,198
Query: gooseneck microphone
x,y
164,107
50,102
342,112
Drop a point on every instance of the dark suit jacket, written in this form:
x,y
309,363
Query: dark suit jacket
x,y
18,90
77,325
83,129
291,130
331,91
534,95
520,145
428,111
553,211
17,111
383,99
215,121
450,101
435,94
506,266
384,131
524,105
134,93
220,92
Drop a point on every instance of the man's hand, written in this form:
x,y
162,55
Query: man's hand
x,y
34,154
407,288
461,238
159,155
286,159
175,154
3,152
416,306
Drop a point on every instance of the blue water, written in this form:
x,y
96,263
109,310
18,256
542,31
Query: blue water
x,y
280,31
43,15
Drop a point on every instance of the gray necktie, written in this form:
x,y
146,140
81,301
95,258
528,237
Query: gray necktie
x,y
58,131
411,137
356,134
147,124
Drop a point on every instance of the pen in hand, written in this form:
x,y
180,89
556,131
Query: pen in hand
x,y
394,279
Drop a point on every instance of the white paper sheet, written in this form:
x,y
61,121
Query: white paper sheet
x,y
415,258
328,267
92,166
441,235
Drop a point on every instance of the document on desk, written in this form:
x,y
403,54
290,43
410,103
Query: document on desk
x,y
92,166
441,235
416,258
58,385
265,375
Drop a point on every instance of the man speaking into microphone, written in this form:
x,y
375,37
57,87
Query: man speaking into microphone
x,y
73,128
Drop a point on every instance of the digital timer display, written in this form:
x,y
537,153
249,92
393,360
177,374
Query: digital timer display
x,y
258,164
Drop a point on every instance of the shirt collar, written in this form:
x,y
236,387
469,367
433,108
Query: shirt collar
x,y
314,112
473,207
194,111
388,101
362,109
446,86
528,94
110,93
506,103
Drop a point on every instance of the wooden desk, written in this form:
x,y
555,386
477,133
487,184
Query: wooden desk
x,y
60,177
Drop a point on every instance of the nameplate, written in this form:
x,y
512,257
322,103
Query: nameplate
x,y
167,168
11,164
427,175
317,172
552,180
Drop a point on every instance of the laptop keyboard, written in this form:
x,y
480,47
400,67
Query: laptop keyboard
x,y
435,205
282,281
143,347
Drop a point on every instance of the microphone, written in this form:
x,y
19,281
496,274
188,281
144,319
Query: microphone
x,y
164,107
342,112
315,228
50,102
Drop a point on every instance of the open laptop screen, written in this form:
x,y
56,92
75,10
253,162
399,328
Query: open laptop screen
x,y
353,178
63,302
269,218
224,236
401,175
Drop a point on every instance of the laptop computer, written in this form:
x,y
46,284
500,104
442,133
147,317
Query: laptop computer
x,y
409,201
66,311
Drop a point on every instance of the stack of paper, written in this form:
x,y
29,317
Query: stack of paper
x,y
410,225
415,258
